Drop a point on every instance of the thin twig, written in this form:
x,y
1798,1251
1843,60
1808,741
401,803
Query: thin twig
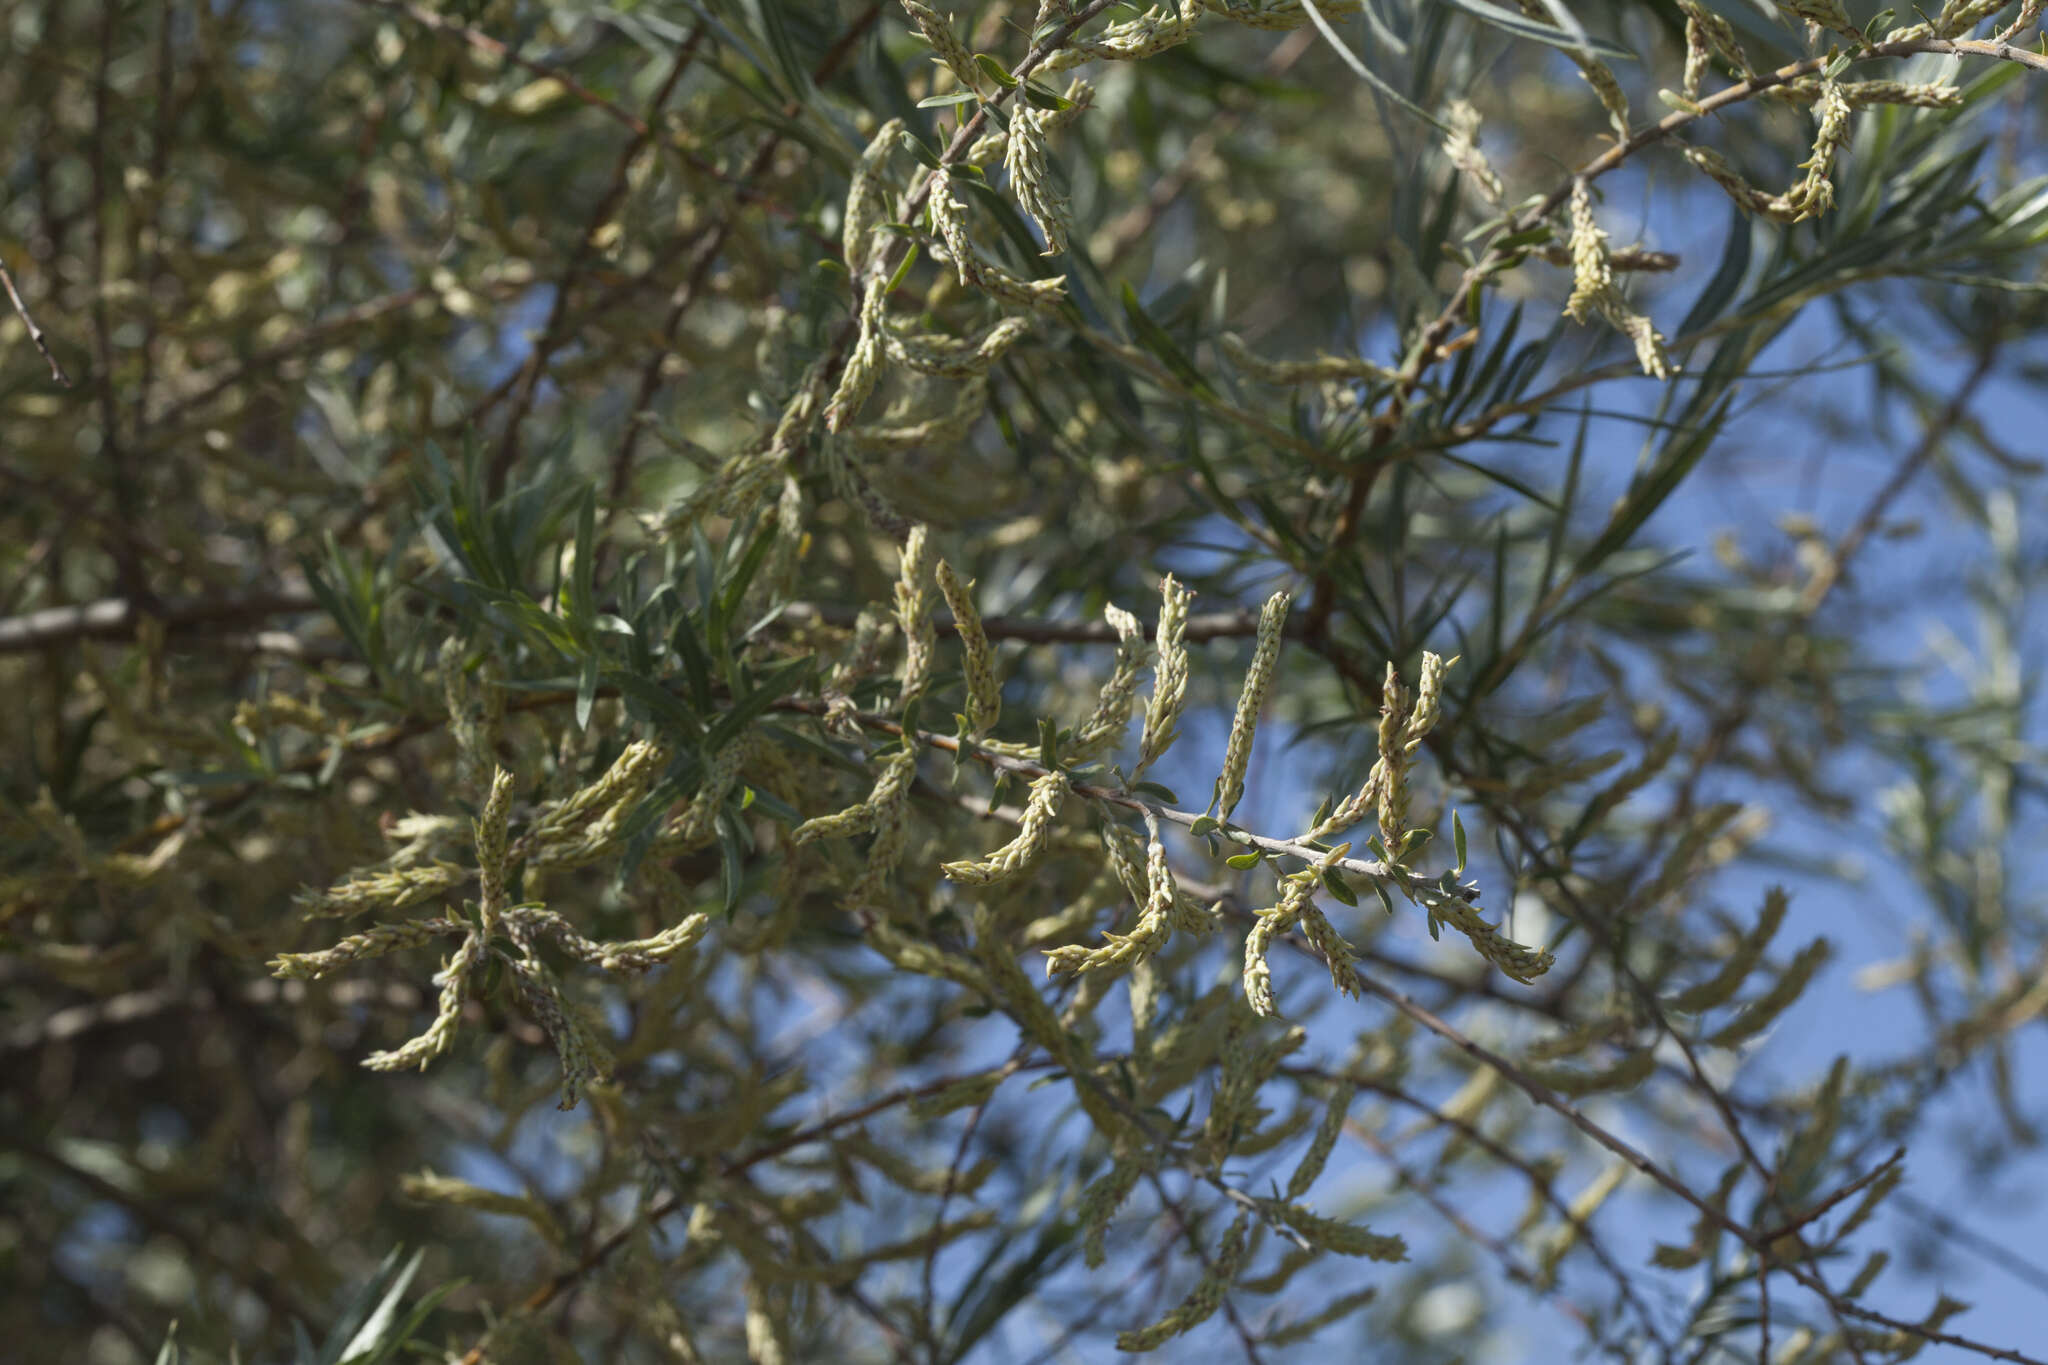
x,y
35,333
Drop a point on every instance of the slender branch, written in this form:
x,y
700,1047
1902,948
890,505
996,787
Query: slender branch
x,y
35,333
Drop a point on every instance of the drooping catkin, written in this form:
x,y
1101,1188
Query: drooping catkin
x,y
1099,1203
1022,853
941,429
984,693
1760,1013
632,955
1815,194
890,786
1522,963
1147,936
431,1187
391,889
453,979
1329,1234
491,850
889,807
1103,731
863,362
1323,368
1747,197
697,824
1258,682
1331,946
1829,14
1627,1072
866,198
947,357
1461,147
1590,275
583,1055
375,942
1717,33
1392,769
1736,966
949,216
1204,1299
1594,290
1295,893
1031,178
914,614
1324,1142
1169,674
945,44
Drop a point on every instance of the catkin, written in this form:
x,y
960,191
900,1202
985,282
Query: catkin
x,y
984,693
1022,853
1104,729
1295,893
1815,194
384,938
1150,933
1325,1141
1203,1300
914,615
1392,769
1719,988
453,979
1461,147
1761,1012
865,199
949,215
1169,674
1328,1234
949,48
945,357
863,363
491,851
1324,368
1258,681
1031,179
1523,964
1099,1203
1630,1071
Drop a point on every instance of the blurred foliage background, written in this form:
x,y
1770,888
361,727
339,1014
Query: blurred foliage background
x,y
434,385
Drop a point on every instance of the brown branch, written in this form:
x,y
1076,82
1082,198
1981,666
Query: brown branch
x,y
35,333
115,618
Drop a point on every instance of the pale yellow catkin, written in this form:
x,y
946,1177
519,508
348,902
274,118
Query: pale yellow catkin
x,y
453,980
866,199
1104,729
1392,769
1022,853
863,362
984,693
1147,936
1295,892
945,44
914,614
491,849
371,943
1815,194
1461,148
1169,674
1258,682
1031,178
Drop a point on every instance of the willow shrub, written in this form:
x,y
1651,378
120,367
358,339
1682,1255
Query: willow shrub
x,y
666,562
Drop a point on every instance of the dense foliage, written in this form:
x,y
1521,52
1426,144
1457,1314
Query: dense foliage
x,y
924,614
